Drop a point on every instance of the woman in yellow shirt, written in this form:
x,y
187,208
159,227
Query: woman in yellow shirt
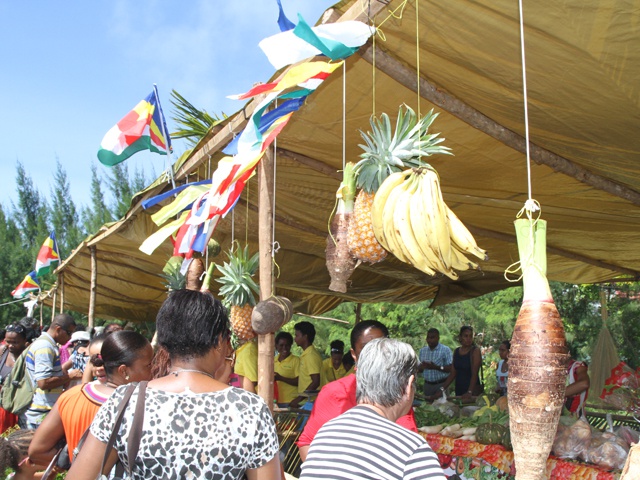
x,y
286,369
332,368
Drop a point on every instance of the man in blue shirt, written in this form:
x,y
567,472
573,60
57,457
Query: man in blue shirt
x,y
435,363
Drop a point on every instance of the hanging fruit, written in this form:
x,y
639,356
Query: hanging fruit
x,y
537,359
238,289
384,155
411,220
194,274
340,262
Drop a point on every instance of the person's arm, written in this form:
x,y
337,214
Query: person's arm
x,y
448,381
269,471
315,382
87,375
43,446
86,466
476,360
290,381
53,382
247,384
581,384
66,366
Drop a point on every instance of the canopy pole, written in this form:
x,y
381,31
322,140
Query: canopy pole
x,y
61,283
266,343
53,304
92,288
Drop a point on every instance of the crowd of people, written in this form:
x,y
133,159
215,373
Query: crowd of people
x,y
107,403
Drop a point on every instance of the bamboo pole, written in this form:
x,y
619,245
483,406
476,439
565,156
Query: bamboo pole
x,y
61,283
266,343
93,287
53,304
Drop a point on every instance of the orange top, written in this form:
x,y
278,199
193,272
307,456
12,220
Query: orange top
x,y
77,407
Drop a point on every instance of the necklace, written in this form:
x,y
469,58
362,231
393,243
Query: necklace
x,y
193,370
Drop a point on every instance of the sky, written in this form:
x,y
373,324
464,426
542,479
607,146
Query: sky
x,y
71,70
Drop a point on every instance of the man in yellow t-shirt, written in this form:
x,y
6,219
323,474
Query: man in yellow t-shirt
x,y
286,369
310,362
332,368
246,366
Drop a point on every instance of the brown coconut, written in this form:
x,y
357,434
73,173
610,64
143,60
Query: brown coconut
x,y
271,314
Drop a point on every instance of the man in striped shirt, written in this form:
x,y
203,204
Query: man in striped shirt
x,y
365,442
45,371
435,363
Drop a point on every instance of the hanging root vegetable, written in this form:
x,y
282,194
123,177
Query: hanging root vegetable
x,y
383,155
537,359
194,274
411,220
340,262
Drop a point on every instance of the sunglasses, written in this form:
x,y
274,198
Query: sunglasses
x,y
68,332
16,328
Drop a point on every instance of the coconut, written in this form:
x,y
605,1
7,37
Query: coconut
x,y
271,314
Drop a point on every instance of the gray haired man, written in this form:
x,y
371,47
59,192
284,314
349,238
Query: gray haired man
x,y
385,391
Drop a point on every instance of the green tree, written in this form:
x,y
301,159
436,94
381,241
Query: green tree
x,y
64,217
31,211
193,122
121,190
97,213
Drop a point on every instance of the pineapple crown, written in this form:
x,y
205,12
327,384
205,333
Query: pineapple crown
x,y
238,286
384,154
173,278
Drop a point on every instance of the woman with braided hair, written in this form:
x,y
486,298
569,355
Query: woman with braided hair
x,y
14,455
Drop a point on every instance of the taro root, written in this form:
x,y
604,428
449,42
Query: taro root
x,y
537,359
340,262
271,314
194,274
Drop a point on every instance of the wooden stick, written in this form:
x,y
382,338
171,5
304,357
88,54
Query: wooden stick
x,y
93,287
61,282
266,343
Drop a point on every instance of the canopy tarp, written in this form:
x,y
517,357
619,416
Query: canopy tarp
x,y
583,66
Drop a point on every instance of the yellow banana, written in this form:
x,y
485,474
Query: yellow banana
x,y
389,232
422,227
459,260
380,200
462,237
402,223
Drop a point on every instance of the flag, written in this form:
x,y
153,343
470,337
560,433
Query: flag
x,y
143,128
335,40
29,284
48,256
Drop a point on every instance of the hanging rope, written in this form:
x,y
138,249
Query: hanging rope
x,y
344,115
530,205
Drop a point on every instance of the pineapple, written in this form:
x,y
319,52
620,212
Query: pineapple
x,y
384,155
238,288
174,279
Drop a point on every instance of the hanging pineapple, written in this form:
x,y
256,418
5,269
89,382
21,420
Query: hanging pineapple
x,y
384,155
173,278
238,289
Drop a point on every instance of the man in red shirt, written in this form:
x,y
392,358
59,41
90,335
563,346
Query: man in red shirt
x,y
337,397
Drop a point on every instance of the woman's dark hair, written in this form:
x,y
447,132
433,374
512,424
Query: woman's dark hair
x,y
121,348
286,335
507,344
464,329
32,328
190,323
96,359
13,448
337,345
18,329
348,361
365,325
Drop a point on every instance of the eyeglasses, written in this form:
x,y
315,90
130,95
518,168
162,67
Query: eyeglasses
x,y
65,329
16,328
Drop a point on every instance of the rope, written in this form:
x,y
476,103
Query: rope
x,y
14,301
529,203
344,115
418,73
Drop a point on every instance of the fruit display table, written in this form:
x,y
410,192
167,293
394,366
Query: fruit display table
x,y
463,459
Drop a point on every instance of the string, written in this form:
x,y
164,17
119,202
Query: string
x,y
418,72
344,115
373,64
529,204
246,218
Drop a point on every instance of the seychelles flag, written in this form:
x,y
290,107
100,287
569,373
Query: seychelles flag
x,y
48,256
143,128
29,284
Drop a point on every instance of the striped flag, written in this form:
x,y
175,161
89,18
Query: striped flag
x,y
143,128
48,256
29,284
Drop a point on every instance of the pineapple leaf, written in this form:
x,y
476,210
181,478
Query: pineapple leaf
x,y
238,285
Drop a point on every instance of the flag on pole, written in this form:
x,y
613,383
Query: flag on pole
x,y
143,128
48,256
29,284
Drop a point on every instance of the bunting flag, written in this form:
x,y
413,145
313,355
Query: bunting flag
x,y
141,129
335,40
300,74
283,22
29,284
48,256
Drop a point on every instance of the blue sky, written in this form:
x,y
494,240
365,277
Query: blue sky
x,y
70,70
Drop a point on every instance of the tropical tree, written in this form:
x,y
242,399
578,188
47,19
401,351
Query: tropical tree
x,y
64,217
97,213
194,123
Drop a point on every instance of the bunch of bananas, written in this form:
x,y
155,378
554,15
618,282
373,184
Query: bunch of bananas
x,y
411,220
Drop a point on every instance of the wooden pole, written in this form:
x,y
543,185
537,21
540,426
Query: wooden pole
x,y
61,283
266,343
93,286
53,304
